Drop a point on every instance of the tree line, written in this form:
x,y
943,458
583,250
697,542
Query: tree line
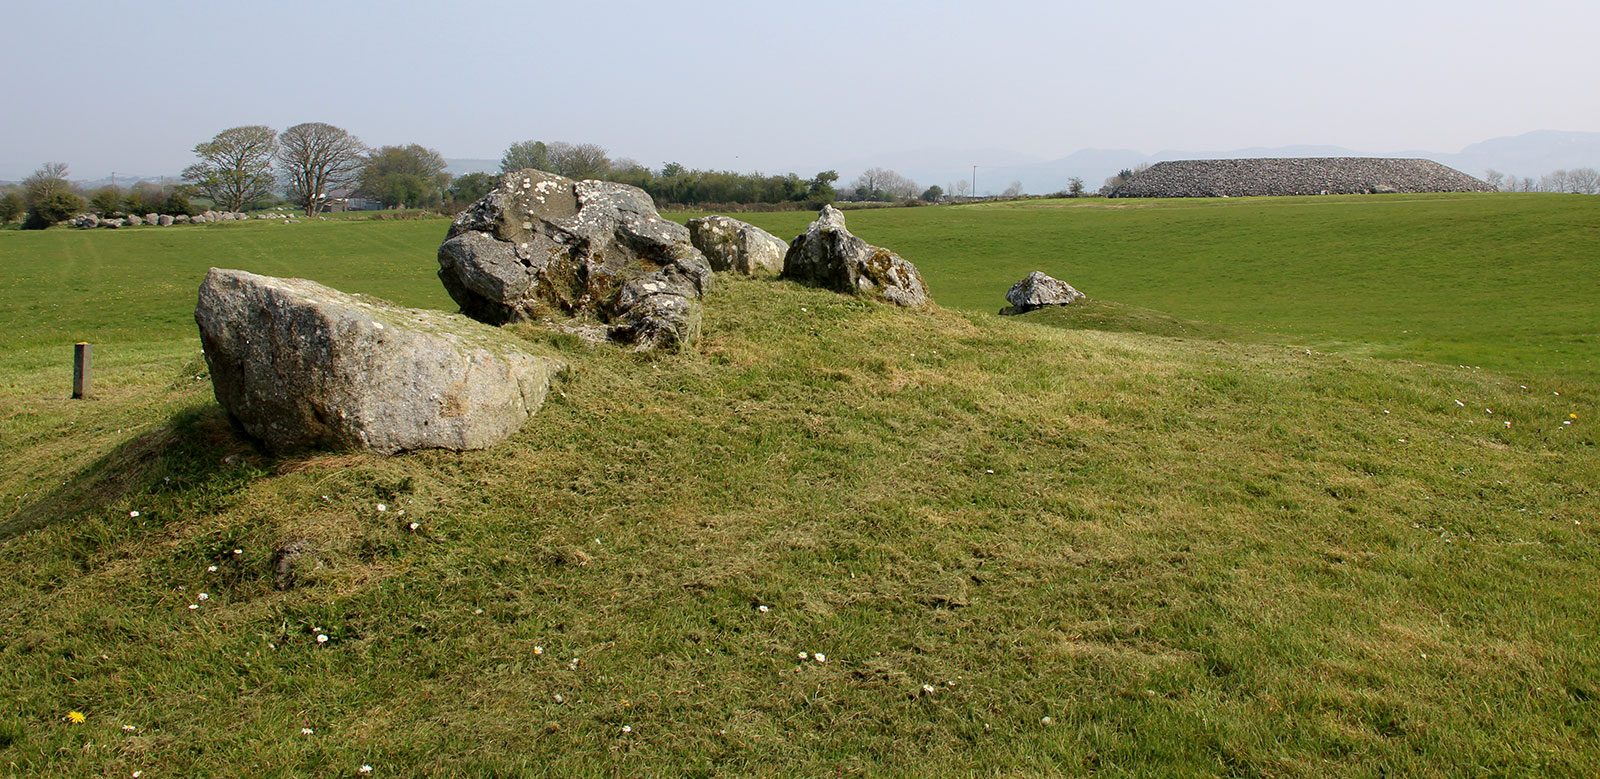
x,y
1580,181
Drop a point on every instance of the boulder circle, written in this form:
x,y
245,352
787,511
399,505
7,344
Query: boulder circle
x,y
540,247
1037,290
298,364
827,254
732,245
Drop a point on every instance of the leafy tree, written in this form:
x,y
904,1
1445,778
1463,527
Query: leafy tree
x,y
106,201
317,159
11,207
177,203
235,167
526,154
145,197
819,190
1075,186
672,169
470,187
933,194
55,207
400,175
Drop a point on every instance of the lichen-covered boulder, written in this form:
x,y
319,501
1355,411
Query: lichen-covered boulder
x,y
298,364
586,255
151,219
165,220
180,219
133,221
827,254
1037,290
732,245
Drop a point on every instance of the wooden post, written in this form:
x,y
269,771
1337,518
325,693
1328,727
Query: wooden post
x,y
82,359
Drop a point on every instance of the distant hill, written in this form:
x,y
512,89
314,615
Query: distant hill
x,y
464,165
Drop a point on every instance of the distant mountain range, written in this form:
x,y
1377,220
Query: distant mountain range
x,y
1531,154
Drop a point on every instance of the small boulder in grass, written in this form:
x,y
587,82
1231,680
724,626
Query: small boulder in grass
x,y
829,255
299,365
1037,290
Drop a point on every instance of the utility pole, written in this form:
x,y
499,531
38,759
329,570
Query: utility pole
x,y
974,180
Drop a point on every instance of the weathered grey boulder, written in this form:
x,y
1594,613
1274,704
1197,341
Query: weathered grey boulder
x,y
199,219
111,224
164,220
180,219
1036,290
827,254
732,245
212,216
298,364
133,221
151,219
540,247
85,221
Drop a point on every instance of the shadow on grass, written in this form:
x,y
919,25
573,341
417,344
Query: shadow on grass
x,y
1121,318
197,448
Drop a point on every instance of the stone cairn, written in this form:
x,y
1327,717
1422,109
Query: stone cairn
x,y
1296,176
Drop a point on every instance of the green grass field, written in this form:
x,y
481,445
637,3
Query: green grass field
x,y
1204,526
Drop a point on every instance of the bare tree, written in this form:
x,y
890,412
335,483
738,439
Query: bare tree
x,y
579,161
235,167
49,179
1554,181
1015,190
316,159
1494,178
884,184
1527,184
962,188
1584,181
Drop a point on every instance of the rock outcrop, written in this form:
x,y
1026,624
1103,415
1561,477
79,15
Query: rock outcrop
x,y
827,254
540,247
298,364
1296,176
1037,290
732,245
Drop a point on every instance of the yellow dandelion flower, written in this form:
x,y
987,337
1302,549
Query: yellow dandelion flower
x,y
76,717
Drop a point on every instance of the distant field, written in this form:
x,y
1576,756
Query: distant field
x,y
1499,281
1503,281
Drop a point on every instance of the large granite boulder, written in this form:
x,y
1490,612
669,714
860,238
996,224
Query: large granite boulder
x,y
165,220
180,219
827,254
591,256
732,245
85,221
298,364
134,221
151,219
1037,290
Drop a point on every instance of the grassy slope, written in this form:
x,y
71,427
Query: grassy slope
x,y
1193,556
1502,281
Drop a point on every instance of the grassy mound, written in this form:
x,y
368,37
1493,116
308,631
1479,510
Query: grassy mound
x,y
1021,547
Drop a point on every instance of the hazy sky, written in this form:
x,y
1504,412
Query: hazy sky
x,y
793,86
